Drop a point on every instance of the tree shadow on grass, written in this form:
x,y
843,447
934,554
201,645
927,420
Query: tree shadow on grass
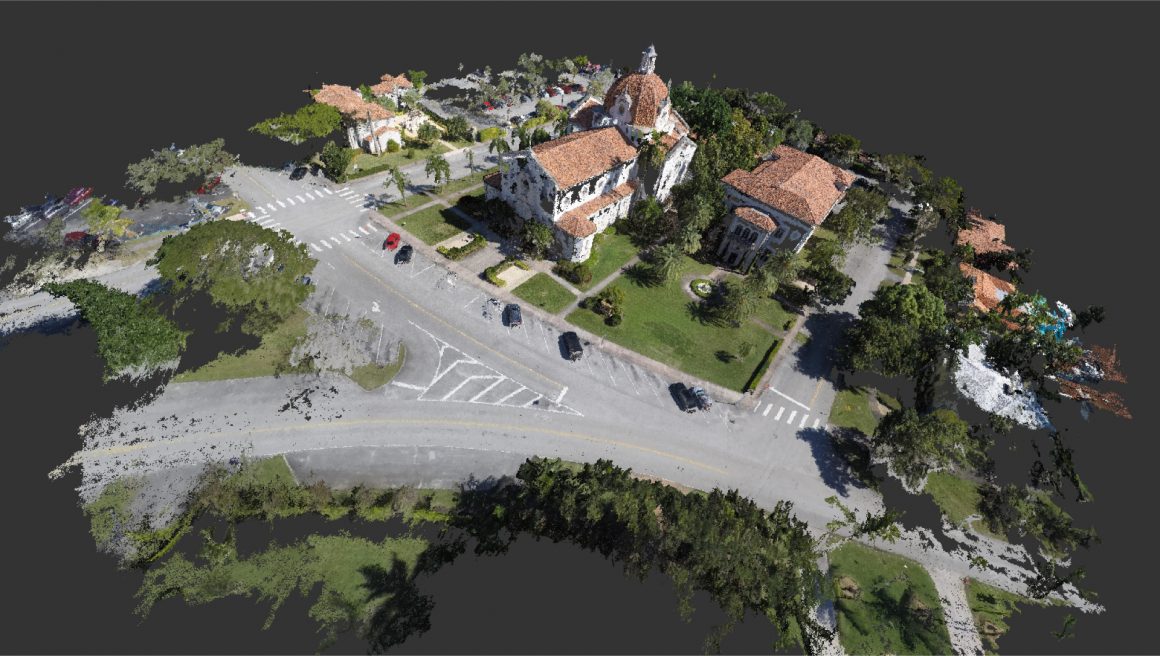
x,y
918,625
643,275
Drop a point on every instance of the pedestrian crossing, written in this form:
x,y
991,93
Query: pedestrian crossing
x,y
793,418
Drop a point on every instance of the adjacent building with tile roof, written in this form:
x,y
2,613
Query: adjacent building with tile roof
x,y
989,290
369,126
582,182
392,86
778,205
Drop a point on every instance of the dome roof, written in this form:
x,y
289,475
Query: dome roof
x,y
647,92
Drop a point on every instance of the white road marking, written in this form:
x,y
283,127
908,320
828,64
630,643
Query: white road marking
x,y
460,386
308,195
409,386
280,203
374,306
561,396
780,410
413,275
470,302
265,222
274,225
315,247
344,188
767,409
798,403
343,236
535,400
803,422
262,209
326,244
792,414
352,232
290,200
329,192
609,367
363,230
372,227
301,199
499,402
758,406
628,374
545,336
345,194
816,422
489,388
250,215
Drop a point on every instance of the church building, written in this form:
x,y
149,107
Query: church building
x,y
582,182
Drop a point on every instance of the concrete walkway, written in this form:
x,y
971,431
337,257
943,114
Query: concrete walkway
x,y
597,287
960,621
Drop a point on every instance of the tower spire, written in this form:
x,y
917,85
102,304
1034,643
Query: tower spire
x,y
648,60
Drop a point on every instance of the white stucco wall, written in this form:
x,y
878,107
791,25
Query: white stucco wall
x,y
529,190
675,168
796,232
576,195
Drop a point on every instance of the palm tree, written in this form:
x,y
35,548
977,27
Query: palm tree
x,y
470,159
563,124
438,168
666,260
499,146
399,179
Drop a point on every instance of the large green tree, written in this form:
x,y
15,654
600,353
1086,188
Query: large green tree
x,y
177,166
313,121
842,149
666,260
946,196
900,331
105,221
860,213
824,259
438,168
538,239
131,333
252,271
335,160
915,444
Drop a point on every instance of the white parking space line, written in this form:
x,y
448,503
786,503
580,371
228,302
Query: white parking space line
x,y
265,222
476,297
488,388
588,364
290,200
326,244
816,422
609,369
301,199
281,204
628,374
767,409
500,402
262,209
758,406
792,414
274,225
344,237
315,247
780,410
803,422
422,271
529,403
336,242
344,194
344,188
363,230
545,336
460,386
372,227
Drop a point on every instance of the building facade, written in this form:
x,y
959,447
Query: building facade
x,y
778,205
369,126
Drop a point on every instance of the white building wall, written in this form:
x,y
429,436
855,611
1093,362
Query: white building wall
x,y
577,195
796,232
675,168
529,190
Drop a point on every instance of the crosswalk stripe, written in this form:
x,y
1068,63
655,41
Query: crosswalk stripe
x,y
343,236
803,423
326,244
363,230
344,188
308,195
792,414
328,192
344,194
315,247
372,227
290,200
300,198
767,409
261,209
780,410
336,242
757,407
816,422
281,204
353,233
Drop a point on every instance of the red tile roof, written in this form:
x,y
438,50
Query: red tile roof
x,y
989,290
796,183
576,221
647,92
579,156
351,103
390,83
983,235
492,179
584,114
757,218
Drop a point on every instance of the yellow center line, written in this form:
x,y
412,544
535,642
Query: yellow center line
x,y
448,325
395,421
817,389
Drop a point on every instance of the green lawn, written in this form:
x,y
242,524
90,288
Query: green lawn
x,y
456,186
363,161
434,224
263,360
658,324
851,409
373,376
897,263
896,608
958,499
544,292
991,607
264,472
609,253
410,202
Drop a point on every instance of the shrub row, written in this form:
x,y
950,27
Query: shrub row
x,y
762,367
577,273
459,252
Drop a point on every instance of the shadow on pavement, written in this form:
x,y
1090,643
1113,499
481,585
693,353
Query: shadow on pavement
x,y
843,461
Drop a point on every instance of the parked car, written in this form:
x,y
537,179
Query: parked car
x,y
404,254
703,400
683,397
392,242
298,173
18,220
77,195
571,345
514,317
525,98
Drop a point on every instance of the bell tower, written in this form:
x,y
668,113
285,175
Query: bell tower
x,y
648,61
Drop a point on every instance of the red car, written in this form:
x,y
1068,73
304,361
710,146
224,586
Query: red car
x,y
392,242
78,195
208,187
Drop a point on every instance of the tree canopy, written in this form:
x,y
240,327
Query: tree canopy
x,y
105,220
915,444
335,159
824,259
860,213
900,330
177,166
316,120
254,272
131,333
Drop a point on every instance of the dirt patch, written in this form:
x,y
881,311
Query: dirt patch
x,y
848,588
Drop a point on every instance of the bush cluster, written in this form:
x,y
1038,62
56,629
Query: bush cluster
x,y
577,273
459,252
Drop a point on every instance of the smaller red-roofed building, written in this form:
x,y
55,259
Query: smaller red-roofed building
x,y
369,126
778,205
392,86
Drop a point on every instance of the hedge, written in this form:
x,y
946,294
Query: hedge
x,y
762,367
477,242
491,273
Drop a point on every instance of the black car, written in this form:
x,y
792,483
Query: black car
x,y
702,399
571,344
514,318
683,396
299,173
404,254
